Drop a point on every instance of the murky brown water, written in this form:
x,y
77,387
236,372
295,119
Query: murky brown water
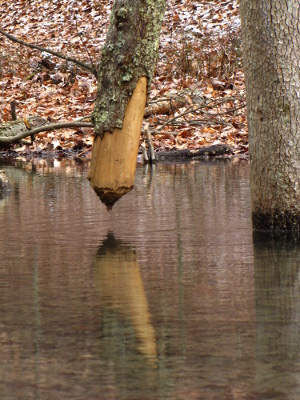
x,y
165,297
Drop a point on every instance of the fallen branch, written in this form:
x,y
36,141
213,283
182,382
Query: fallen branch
x,y
44,128
85,47
208,122
13,128
54,53
216,150
196,109
190,110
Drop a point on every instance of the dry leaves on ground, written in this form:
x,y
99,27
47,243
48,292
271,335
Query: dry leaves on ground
x,y
199,58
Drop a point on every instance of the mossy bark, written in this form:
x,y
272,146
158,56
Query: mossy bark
x,y
271,42
129,53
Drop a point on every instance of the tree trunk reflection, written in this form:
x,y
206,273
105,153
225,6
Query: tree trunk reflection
x,y
122,291
277,307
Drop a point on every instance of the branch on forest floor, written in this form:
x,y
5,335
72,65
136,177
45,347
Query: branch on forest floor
x,y
214,150
45,128
54,53
86,49
213,118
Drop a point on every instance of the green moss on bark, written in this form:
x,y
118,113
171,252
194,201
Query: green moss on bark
x,y
129,53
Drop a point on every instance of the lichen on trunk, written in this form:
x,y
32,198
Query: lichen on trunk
x,y
129,53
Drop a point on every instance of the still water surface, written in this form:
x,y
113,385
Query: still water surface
x,y
165,297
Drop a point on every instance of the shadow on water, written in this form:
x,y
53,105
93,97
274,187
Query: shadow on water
x,y
277,294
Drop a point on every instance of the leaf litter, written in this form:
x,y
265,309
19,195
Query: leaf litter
x,y
198,92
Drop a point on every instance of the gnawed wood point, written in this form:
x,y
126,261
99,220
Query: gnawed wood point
x,y
114,156
110,197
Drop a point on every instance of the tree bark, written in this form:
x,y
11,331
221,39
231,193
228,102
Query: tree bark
x,y
130,52
125,69
271,43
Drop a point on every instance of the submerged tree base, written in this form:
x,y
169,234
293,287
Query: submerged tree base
x,y
276,221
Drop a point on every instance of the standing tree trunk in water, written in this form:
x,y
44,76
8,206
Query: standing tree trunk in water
x,y
124,77
271,42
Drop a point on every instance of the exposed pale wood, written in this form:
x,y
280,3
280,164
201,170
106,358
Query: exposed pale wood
x,y
114,157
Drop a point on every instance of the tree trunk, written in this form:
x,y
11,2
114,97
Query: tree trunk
x,y
271,43
114,155
125,72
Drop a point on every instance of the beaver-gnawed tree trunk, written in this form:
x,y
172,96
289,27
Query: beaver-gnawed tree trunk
x,y
271,42
124,76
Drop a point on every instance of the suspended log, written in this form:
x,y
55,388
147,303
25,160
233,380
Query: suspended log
x,y
114,156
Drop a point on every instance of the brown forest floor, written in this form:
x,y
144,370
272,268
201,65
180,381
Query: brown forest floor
x,y
198,94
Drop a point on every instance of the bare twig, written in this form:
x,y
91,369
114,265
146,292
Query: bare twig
x,y
145,153
86,118
13,110
85,47
148,138
45,128
216,102
190,110
209,122
36,47
229,111
200,109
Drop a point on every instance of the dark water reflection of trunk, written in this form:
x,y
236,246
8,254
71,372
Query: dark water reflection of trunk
x,y
119,279
277,293
166,297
